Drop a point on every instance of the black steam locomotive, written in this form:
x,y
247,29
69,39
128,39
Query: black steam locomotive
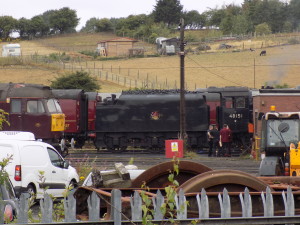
x,y
145,119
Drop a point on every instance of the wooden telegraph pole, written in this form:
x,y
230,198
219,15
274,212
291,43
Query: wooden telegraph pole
x,y
182,88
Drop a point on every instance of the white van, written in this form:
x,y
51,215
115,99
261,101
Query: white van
x,y
29,159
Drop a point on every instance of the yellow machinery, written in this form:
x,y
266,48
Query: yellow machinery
x,y
280,134
294,166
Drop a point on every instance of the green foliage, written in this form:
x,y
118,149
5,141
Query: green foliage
x,y
287,27
38,27
293,41
281,85
3,164
104,25
241,25
194,20
90,53
64,20
77,80
94,25
23,26
90,25
167,11
84,167
8,61
59,57
3,118
7,26
263,29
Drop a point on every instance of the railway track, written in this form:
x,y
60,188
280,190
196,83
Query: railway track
x,y
144,160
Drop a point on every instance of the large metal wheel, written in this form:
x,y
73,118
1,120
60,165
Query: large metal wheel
x,y
217,180
157,176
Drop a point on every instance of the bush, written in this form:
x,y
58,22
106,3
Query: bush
x,y
59,57
77,80
203,47
293,41
90,53
263,29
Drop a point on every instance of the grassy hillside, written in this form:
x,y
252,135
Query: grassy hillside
x,y
216,67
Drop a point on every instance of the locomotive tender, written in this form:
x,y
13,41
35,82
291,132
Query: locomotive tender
x,y
146,119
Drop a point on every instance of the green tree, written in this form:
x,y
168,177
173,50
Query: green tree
x,y
77,80
38,27
194,20
241,25
104,25
167,11
23,27
294,13
227,23
263,28
215,16
90,25
63,20
7,25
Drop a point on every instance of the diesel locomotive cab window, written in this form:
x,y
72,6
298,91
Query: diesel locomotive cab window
x,y
34,106
15,105
53,106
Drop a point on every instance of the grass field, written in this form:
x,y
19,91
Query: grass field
x,y
233,67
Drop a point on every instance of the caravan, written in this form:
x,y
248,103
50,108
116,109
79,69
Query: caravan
x,y
11,50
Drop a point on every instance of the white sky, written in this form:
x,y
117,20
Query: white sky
x,y
87,9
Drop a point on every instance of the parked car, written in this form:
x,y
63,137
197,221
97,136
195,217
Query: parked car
x,y
7,194
35,167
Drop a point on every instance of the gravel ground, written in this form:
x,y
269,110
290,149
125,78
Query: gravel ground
x,y
105,161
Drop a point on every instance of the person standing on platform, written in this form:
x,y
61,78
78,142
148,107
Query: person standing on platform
x,y
225,140
210,140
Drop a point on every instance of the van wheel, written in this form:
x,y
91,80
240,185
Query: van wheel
x,y
73,184
31,190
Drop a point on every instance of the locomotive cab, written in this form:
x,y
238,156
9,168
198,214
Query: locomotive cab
x,y
32,108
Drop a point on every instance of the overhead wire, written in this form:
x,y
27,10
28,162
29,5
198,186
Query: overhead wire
x,y
213,72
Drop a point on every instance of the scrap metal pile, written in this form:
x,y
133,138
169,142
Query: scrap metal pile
x,y
192,179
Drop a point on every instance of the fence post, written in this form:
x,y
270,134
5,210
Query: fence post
x,y
268,203
158,202
116,206
246,203
203,205
70,207
181,207
23,208
225,204
46,205
94,207
2,207
136,207
289,203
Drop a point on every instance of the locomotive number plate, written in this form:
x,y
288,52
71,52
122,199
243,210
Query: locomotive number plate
x,y
236,115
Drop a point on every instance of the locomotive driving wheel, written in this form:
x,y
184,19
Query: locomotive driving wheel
x,y
157,176
217,180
